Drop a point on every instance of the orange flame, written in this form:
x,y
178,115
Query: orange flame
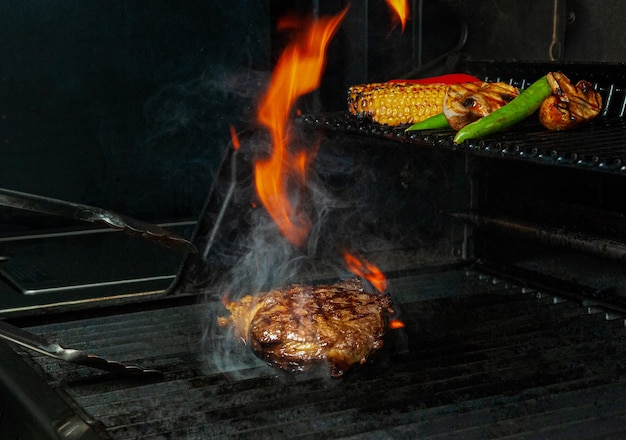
x,y
395,324
366,270
401,9
234,138
298,71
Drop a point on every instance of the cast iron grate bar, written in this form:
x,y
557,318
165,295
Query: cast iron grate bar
x,y
478,355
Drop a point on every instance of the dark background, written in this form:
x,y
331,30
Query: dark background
x,y
127,105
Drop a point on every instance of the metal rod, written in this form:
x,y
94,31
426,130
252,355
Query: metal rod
x,y
41,345
93,214
548,234
229,195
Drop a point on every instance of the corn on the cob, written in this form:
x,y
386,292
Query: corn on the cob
x,y
396,103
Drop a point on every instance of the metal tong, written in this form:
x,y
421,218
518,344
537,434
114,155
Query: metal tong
x,y
47,205
41,345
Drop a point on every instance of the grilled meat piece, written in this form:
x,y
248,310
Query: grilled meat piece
x,y
302,326
570,105
465,103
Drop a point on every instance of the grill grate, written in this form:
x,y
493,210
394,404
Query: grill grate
x,y
600,146
479,358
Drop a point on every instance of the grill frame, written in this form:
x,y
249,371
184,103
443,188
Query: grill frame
x,y
490,350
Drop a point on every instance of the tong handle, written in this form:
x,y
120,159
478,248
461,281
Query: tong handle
x,y
41,345
93,214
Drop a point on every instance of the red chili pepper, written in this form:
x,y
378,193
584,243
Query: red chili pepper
x,y
450,78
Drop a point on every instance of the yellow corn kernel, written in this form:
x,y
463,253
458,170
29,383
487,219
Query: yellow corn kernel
x,y
396,103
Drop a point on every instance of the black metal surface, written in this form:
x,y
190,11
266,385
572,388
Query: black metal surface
x,y
479,358
30,409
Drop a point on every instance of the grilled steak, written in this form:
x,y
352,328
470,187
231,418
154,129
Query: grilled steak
x,y
301,326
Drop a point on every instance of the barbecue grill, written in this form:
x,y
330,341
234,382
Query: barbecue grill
x,y
505,261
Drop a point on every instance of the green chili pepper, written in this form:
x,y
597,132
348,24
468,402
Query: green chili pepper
x,y
515,111
434,122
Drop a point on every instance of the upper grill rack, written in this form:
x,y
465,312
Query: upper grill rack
x,y
600,145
